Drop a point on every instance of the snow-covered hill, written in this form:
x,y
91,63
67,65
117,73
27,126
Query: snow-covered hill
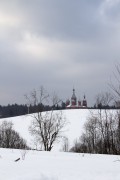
x,y
57,166
54,165
75,118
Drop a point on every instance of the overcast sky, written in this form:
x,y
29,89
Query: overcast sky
x,y
57,44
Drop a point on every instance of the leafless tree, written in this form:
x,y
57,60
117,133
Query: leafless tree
x,y
115,84
65,146
101,133
9,138
47,126
104,99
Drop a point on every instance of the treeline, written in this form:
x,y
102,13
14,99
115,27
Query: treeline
x,y
13,110
17,110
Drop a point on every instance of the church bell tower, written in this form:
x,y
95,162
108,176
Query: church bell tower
x,y
73,99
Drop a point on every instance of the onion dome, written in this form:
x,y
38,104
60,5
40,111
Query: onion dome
x,y
73,96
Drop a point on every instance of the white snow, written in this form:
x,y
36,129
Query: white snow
x,y
54,165
58,166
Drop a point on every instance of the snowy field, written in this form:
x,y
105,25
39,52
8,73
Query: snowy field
x,y
74,128
75,118
57,166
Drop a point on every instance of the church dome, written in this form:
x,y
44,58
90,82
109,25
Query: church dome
x,y
73,99
84,102
73,96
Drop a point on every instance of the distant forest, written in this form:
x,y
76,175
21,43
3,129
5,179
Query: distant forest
x,y
13,110
17,110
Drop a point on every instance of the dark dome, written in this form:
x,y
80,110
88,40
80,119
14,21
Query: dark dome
x,y
73,96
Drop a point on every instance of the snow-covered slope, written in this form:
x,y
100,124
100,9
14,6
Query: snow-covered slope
x,y
40,165
57,166
75,118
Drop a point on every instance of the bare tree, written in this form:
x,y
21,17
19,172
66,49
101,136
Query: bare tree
x,y
9,138
47,126
101,134
115,85
104,99
65,146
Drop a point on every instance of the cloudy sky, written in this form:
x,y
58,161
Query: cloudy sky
x,y
58,44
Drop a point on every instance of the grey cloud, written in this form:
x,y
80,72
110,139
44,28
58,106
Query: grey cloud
x,y
111,10
82,45
62,19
